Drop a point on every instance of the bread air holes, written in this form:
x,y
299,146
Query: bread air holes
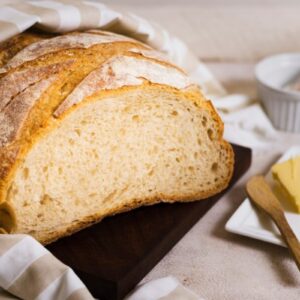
x,y
174,113
204,121
135,118
151,173
96,155
45,199
40,215
26,204
92,195
214,167
78,132
210,133
25,173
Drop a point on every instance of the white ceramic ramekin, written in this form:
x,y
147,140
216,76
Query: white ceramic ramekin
x,y
282,105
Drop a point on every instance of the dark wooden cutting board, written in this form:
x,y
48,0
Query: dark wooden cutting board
x,y
113,256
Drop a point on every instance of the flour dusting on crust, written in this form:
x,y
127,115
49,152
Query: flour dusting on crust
x,y
122,71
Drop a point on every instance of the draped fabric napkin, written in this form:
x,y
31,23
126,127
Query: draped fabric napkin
x,y
29,271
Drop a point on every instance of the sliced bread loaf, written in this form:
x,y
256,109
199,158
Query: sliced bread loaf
x,y
94,127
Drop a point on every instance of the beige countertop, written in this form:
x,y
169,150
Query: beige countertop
x,y
212,262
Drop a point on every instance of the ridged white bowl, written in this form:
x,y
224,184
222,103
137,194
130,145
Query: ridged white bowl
x,y
282,105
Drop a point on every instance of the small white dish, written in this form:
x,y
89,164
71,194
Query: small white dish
x,y
282,105
249,221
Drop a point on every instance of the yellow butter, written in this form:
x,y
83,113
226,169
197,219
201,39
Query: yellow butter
x,y
287,174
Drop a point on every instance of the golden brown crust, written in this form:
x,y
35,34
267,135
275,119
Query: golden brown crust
x,y
7,218
15,83
49,236
12,46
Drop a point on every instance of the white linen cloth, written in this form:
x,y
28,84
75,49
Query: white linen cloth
x,y
21,257
29,271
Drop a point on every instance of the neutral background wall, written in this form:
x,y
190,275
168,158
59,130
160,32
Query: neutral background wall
x,y
229,30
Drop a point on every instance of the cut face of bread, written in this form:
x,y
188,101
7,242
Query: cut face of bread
x,y
112,154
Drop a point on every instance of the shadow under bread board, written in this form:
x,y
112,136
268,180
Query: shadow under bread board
x,y
112,256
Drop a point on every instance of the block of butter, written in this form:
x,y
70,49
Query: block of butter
x,y
287,174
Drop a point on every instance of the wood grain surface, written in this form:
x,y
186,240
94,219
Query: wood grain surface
x,y
113,256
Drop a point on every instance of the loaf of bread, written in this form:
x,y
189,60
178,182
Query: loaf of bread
x,y
93,124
